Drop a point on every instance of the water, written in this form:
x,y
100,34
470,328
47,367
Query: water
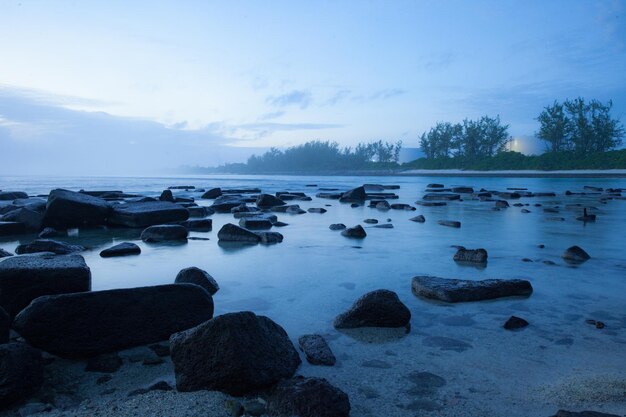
x,y
559,361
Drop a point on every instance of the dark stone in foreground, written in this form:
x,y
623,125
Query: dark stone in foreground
x,y
236,353
232,233
68,208
148,213
575,254
356,232
380,308
163,233
478,256
48,245
92,323
316,350
24,278
514,323
563,413
459,290
308,397
199,277
121,249
21,372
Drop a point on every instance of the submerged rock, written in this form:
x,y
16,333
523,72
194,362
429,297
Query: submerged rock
x,y
459,290
478,256
355,195
575,254
247,353
164,233
68,208
147,213
418,219
380,308
269,238
232,233
121,249
449,223
48,245
308,397
441,196
356,232
318,210
197,276
316,350
337,226
22,373
92,323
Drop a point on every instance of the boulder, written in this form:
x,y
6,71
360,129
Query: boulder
x,y
434,185
268,201
418,219
92,323
4,253
121,249
164,233
225,203
460,290
197,225
212,193
316,350
337,226
198,277
147,213
167,195
12,195
355,195
514,323
318,210
31,219
232,233
441,196
356,232
380,308
463,190
449,223
402,206
24,278
48,245
477,256
382,205
49,232
502,204
236,353
370,221
68,208
200,212
22,373
255,223
575,254
308,397
11,228
268,238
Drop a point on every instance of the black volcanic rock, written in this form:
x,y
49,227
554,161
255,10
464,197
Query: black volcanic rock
x,y
380,308
458,290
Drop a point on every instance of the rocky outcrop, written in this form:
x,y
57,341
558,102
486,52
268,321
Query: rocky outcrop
x,y
236,353
92,323
48,245
380,308
197,276
147,213
459,290
68,208
121,249
22,373
316,350
164,233
308,397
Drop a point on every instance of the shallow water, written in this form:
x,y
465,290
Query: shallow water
x,y
304,282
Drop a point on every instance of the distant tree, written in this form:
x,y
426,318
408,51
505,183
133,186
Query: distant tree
x,y
554,128
440,140
483,137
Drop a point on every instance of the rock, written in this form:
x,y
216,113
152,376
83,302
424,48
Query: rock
x,y
225,203
49,232
22,373
68,208
431,203
383,205
525,211
48,245
502,204
563,413
441,196
121,249
5,326
24,278
418,219
584,218
337,226
197,225
380,308
31,219
463,190
478,256
575,254
164,233
434,186
449,223
268,201
316,350
317,210
370,221
199,277
405,207
11,228
356,232
234,408
384,226
514,323
269,238
308,397
232,233
458,290
355,195
92,323
245,353
104,363
200,212
4,254
167,195
255,223
213,193
12,195
293,209
148,213
157,386
244,208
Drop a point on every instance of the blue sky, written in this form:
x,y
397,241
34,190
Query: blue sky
x,y
167,83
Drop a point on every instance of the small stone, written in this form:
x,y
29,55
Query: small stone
x,y
418,219
316,350
514,323
337,226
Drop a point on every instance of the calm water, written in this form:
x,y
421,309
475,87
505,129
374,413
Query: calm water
x,y
304,282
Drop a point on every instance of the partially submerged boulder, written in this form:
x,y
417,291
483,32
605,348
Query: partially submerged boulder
x,y
68,208
197,276
449,223
121,249
164,233
31,219
92,323
212,193
475,256
355,195
148,213
575,254
22,373
460,290
356,232
380,308
316,350
308,397
48,245
232,233
268,201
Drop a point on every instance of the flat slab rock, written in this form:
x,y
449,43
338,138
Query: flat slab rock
x,y
316,350
380,308
121,249
308,397
149,213
459,290
48,245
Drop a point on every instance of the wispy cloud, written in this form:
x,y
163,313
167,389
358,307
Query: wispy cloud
x,y
271,115
301,98
288,126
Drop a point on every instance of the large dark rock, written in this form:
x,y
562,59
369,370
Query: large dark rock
x,y
31,219
236,353
476,256
24,278
355,195
225,203
380,308
164,233
4,253
563,413
5,326
92,323
316,350
356,232
268,201
212,193
167,195
255,223
21,373
68,208
12,195
198,225
121,249
337,226
147,213
575,254
514,323
460,290
232,233
308,397
48,245
11,228
198,277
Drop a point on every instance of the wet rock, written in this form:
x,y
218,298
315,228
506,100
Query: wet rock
x,y
104,363
463,190
435,185
502,204
478,256
167,195
308,397
356,232
246,353
575,254
226,203
431,203
441,196
147,214
213,193
49,232
514,323
92,323
449,223
22,373
12,195
400,206
232,233
563,413
380,308
337,226
47,245
199,277
384,226
31,219
68,208
418,219
355,205
4,253
268,201
370,221
255,223
525,211
355,195
317,210
458,290
164,233
316,350
268,238
121,249
197,225
11,228
294,209
200,212
24,278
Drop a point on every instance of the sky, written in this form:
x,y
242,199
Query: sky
x,y
121,87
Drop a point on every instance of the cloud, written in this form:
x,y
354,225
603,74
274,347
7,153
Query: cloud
x,y
288,126
301,98
387,93
338,97
271,115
